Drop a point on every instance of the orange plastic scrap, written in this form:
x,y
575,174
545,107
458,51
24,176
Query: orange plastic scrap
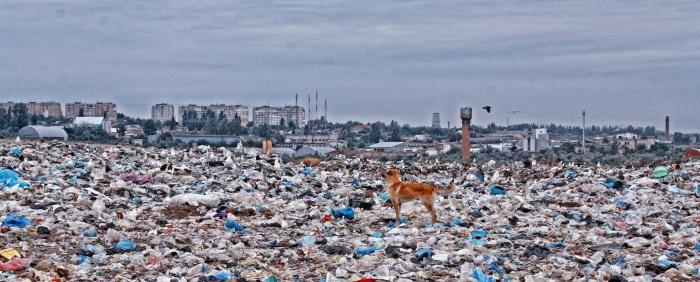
x,y
10,253
367,280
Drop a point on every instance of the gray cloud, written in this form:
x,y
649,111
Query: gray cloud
x,y
623,61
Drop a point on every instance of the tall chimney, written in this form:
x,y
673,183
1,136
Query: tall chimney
x,y
668,127
466,116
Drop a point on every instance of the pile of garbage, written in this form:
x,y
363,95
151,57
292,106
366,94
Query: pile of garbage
x,y
100,212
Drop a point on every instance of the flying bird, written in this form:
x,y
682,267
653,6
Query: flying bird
x,y
487,108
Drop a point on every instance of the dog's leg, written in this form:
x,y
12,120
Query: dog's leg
x,y
428,203
397,209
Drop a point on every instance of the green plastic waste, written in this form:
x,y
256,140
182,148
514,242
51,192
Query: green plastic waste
x,y
660,172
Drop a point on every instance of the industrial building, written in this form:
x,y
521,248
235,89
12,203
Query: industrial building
x,y
633,141
43,132
539,141
313,140
314,151
388,147
93,122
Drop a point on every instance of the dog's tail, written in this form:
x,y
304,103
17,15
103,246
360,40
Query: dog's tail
x,y
451,188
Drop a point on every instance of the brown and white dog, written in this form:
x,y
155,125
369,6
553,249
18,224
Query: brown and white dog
x,y
400,192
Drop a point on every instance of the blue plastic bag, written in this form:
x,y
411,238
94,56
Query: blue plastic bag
x,y
125,245
363,251
16,221
424,252
16,151
222,276
90,233
480,276
7,175
347,213
497,190
478,237
232,225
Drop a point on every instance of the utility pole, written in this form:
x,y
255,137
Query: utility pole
x,y
325,114
583,141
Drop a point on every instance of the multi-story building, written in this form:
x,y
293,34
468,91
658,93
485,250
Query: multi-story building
x,y
436,120
231,111
46,109
99,109
267,115
192,111
162,112
274,116
295,114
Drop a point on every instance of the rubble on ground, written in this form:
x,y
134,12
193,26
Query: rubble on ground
x,y
97,212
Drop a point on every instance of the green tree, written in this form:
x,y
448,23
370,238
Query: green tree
x,y
374,133
172,123
19,116
150,127
4,118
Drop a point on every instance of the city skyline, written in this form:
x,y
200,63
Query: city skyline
x,y
624,63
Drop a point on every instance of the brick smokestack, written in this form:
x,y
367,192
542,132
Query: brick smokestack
x,y
668,127
466,115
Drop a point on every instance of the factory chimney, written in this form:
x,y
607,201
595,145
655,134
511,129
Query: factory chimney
x,y
668,128
466,116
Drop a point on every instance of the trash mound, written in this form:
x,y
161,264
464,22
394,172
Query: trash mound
x,y
76,212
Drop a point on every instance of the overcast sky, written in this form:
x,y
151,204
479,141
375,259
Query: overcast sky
x,y
624,62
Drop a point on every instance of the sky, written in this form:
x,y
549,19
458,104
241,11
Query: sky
x,y
624,62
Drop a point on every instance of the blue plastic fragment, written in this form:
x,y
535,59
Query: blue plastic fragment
x,y
90,233
307,171
377,234
479,176
392,223
497,268
232,225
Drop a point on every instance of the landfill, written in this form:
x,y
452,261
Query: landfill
x,y
88,212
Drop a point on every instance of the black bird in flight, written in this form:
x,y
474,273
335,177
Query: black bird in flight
x,y
487,108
